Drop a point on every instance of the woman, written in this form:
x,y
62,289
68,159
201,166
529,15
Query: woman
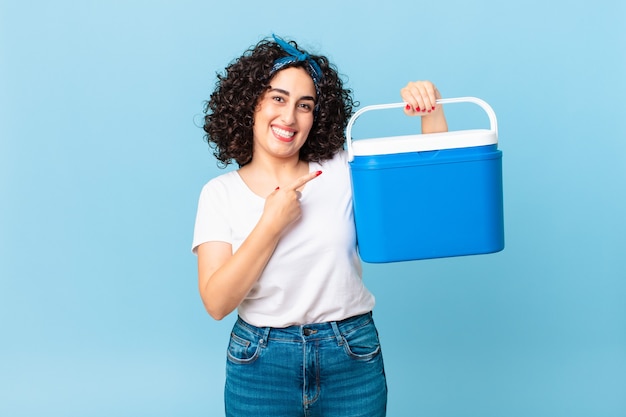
x,y
276,238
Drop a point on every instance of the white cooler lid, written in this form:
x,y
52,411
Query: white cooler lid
x,y
424,142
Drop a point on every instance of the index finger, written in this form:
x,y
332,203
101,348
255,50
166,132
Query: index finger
x,y
304,179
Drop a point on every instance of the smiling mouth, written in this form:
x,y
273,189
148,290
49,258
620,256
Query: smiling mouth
x,y
282,133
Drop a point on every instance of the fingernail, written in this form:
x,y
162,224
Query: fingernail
x,y
417,108
276,188
408,107
318,173
433,107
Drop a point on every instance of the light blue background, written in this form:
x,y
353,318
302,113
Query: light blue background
x,y
101,163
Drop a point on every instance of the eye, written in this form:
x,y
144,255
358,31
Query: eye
x,y
278,99
306,106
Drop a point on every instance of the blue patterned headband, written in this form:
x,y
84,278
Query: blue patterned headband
x,y
297,56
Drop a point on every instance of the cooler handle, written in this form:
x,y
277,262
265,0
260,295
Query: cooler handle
x,y
486,107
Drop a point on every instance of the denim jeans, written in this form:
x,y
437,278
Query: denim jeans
x,y
332,369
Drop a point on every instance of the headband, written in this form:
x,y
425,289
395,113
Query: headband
x,y
297,56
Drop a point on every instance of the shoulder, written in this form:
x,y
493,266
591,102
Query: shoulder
x,y
221,182
339,161
336,171
221,188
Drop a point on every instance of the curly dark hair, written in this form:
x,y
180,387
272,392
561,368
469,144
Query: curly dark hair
x,y
229,113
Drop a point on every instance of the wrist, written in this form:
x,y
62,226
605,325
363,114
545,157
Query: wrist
x,y
434,122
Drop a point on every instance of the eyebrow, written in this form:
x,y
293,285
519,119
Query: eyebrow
x,y
285,92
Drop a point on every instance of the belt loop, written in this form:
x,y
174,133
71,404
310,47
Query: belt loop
x,y
265,337
338,334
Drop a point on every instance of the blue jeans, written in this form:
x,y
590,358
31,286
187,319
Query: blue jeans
x,y
332,369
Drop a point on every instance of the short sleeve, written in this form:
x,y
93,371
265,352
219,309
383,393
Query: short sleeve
x,y
212,220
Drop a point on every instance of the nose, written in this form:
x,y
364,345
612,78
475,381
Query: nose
x,y
288,115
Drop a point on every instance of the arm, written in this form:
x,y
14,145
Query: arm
x,y
224,278
421,97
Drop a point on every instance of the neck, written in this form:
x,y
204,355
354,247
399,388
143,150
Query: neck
x,y
273,172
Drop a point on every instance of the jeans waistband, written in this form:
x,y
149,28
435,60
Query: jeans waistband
x,y
311,331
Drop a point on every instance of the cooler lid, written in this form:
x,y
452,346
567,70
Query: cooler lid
x,y
424,142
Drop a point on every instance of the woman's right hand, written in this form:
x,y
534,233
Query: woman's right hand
x,y
282,206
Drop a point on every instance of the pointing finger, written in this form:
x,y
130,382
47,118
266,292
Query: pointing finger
x,y
304,179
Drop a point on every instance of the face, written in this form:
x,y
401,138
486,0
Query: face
x,y
284,115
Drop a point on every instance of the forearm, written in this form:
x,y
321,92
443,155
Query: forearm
x,y
226,287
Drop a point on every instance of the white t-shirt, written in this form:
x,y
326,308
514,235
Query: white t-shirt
x,y
314,274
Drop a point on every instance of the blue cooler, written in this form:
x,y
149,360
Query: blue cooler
x,y
427,196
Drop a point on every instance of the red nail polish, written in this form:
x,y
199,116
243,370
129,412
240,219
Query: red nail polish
x,y
417,108
276,188
433,107
318,173
408,107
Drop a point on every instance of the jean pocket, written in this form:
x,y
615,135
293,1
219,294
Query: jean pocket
x,y
242,349
362,343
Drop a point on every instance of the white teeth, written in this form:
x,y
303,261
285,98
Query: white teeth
x,y
283,133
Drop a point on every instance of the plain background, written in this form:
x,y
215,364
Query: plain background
x,y
102,161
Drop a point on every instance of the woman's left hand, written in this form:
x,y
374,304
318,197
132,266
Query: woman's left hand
x,y
420,98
